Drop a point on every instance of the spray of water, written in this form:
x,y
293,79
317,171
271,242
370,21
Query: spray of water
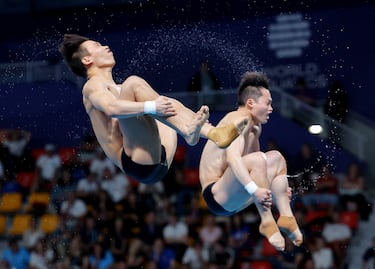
x,y
171,47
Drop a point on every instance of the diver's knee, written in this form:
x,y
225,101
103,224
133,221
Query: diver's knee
x,y
277,160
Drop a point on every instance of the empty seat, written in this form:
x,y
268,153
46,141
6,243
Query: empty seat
x,y
180,154
260,265
37,152
10,186
26,179
314,215
38,201
49,223
202,202
20,223
191,176
350,218
316,220
11,202
268,250
66,154
3,224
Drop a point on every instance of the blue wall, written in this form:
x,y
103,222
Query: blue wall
x,y
51,111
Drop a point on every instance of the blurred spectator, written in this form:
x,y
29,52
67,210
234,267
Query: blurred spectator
x,y
369,255
205,81
322,254
327,181
174,180
176,189
353,182
163,256
210,232
221,256
307,263
193,257
115,184
337,235
47,168
4,264
154,199
163,207
194,216
76,167
40,258
308,163
32,235
17,159
73,208
352,192
88,188
137,257
89,232
100,162
291,257
152,195
306,160
88,148
183,194
150,230
238,234
326,191
8,184
64,184
2,176
15,255
100,258
133,212
119,241
59,242
76,251
85,263
334,230
103,210
175,235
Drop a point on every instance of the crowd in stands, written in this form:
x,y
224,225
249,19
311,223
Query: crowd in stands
x,y
101,218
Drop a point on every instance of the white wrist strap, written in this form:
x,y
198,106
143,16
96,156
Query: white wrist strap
x,y
251,187
149,107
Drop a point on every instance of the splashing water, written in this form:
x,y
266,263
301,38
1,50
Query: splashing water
x,y
168,48
306,180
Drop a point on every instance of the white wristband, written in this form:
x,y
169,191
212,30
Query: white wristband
x,y
251,187
149,107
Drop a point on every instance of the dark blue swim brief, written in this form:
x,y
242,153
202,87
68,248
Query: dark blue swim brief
x,y
214,207
145,173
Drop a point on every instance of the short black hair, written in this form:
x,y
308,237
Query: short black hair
x,y
250,86
71,50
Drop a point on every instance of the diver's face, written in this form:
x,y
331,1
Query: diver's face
x,y
262,107
98,54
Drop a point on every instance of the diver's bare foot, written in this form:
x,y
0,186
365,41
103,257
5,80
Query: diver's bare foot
x,y
289,226
224,135
272,233
194,129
